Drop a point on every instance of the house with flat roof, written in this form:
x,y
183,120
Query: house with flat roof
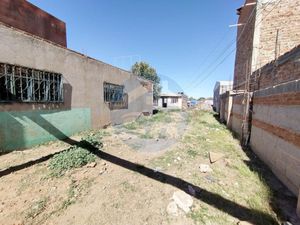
x,y
172,101
50,92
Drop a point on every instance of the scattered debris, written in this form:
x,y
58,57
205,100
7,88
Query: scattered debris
x,y
204,168
214,157
172,209
157,169
91,165
183,200
191,190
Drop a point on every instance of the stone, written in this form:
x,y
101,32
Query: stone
x,y
244,223
157,169
172,209
214,157
204,168
91,165
183,200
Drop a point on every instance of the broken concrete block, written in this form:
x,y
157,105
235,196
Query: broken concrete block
x,y
214,157
172,209
183,200
204,168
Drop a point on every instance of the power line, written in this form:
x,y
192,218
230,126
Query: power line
x,y
226,48
223,60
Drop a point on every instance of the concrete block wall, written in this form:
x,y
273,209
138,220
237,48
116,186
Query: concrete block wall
x,y
275,133
83,90
237,113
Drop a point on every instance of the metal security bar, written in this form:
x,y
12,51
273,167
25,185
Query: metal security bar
x,y
114,96
113,92
21,84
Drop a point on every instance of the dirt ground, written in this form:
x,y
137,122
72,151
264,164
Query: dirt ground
x,y
136,173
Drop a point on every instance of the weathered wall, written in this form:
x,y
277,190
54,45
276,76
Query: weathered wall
x,y
23,15
83,80
286,68
244,43
273,31
275,134
237,113
277,30
28,128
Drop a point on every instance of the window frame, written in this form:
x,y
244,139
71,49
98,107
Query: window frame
x,y
21,84
174,100
113,99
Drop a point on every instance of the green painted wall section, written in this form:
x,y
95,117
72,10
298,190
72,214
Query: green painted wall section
x,y
26,129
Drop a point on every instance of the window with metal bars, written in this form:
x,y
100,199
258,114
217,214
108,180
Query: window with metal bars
x,y
115,97
22,84
113,92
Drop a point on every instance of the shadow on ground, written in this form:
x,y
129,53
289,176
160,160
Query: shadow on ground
x,y
234,209
283,202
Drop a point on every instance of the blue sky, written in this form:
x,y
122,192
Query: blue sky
x,y
181,39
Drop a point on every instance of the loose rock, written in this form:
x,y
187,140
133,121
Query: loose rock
x,y
204,168
214,157
91,165
183,200
244,223
172,209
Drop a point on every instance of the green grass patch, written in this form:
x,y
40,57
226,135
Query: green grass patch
x,y
74,157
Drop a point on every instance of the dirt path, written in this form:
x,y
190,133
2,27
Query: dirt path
x,y
143,163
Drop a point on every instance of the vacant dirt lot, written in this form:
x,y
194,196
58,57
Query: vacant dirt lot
x,y
136,173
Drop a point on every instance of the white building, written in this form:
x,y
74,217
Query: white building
x,y
172,101
220,88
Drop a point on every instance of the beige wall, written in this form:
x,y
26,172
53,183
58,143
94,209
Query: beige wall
x,y
84,75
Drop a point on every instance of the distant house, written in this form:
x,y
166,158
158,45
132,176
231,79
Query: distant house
x,y
220,88
172,101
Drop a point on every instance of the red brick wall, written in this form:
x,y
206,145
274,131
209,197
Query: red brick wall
x,y
244,43
262,42
27,17
286,68
284,17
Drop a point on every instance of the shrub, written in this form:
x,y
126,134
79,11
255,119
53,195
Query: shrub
x,y
74,157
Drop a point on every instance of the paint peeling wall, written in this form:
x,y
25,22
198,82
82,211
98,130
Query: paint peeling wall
x,y
28,128
83,81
